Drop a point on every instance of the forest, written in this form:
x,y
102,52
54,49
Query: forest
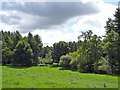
x,y
90,54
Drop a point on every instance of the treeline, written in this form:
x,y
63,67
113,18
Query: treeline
x,y
97,54
91,54
29,50
18,50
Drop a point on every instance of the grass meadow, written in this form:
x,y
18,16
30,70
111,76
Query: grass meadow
x,y
53,77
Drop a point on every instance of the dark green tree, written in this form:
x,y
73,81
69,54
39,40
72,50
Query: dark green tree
x,y
23,54
89,52
59,49
7,56
72,46
111,49
112,41
16,37
37,48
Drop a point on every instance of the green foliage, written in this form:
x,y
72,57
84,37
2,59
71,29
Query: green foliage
x,y
7,56
112,42
23,54
102,66
13,42
74,54
111,48
49,58
59,49
0,52
72,46
46,55
45,51
74,62
16,37
36,45
89,52
37,48
65,61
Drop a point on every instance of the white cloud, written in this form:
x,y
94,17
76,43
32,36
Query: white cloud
x,y
68,31
44,15
49,37
6,27
96,22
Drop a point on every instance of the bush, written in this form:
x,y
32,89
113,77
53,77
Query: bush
x,y
65,61
74,63
55,65
74,54
7,55
82,65
102,66
45,61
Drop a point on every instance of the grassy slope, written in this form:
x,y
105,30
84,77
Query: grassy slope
x,y
46,77
0,78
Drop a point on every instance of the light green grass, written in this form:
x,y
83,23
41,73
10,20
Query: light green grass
x,y
46,77
0,77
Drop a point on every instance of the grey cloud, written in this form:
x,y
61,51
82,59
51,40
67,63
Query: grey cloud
x,y
94,23
11,19
48,14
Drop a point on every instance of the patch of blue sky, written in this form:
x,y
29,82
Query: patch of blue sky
x,y
71,22
113,2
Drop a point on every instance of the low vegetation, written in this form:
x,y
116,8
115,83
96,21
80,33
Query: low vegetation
x,y
49,77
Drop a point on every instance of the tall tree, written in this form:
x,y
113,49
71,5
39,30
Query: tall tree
x,y
45,51
23,54
16,38
59,49
72,46
0,53
90,51
37,48
112,41
36,45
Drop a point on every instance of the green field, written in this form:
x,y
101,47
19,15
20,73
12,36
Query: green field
x,y
49,77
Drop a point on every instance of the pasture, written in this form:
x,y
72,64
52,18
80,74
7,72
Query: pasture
x,y
53,77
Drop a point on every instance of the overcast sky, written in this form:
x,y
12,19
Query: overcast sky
x,y
56,21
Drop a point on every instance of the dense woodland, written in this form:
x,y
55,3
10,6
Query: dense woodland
x,y
91,54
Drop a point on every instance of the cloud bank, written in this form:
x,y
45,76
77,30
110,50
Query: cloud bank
x,y
43,15
55,21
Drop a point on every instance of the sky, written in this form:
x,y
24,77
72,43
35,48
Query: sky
x,y
56,21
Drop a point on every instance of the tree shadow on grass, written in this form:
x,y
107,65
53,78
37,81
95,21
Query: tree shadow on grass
x,y
75,70
68,68
17,67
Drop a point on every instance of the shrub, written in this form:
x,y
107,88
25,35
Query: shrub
x,y
74,54
7,55
65,61
74,63
55,65
102,66
82,65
